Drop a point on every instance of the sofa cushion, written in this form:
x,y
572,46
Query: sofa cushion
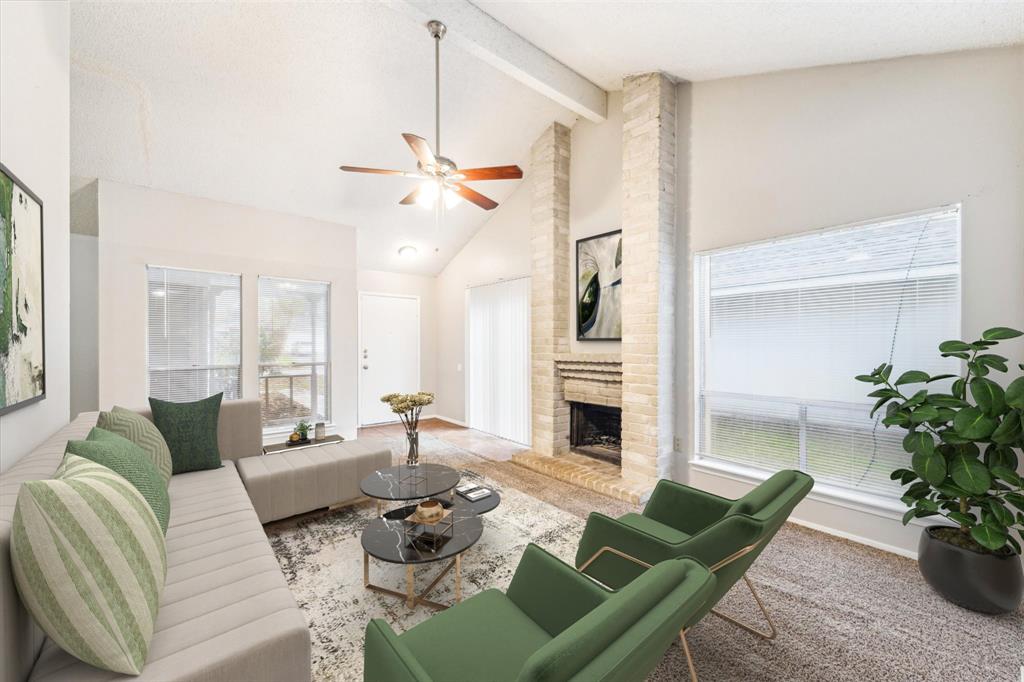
x,y
656,528
485,637
226,612
142,432
126,459
89,562
190,430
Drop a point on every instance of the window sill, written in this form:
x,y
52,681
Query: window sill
x,y
886,508
273,435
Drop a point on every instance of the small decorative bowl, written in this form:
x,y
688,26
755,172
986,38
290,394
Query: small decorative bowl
x,y
429,511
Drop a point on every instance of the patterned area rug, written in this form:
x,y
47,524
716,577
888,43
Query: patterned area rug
x,y
844,611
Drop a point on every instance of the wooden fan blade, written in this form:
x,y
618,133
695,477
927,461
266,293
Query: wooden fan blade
x,y
421,149
379,171
410,198
490,173
473,196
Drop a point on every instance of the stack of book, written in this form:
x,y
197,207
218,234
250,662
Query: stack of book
x,y
472,491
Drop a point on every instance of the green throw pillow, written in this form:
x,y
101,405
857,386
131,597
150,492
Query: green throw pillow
x,y
190,430
140,431
126,459
89,561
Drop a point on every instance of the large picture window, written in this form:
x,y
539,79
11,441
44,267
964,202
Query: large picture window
x,y
194,334
294,366
783,327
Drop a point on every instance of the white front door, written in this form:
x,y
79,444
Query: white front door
x,y
389,352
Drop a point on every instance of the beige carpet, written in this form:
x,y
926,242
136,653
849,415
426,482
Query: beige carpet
x,y
844,611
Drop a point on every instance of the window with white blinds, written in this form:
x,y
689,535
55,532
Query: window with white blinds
x,y
498,350
194,334
294,361
784,326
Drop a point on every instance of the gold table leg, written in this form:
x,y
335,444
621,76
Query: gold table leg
x,y
689,658
412,599
366,569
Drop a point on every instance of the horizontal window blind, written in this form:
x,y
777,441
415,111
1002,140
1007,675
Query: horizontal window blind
x,y
294,365
194,334
784,326
498,322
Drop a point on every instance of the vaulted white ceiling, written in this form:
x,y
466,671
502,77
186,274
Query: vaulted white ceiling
x,y
259,103
698,41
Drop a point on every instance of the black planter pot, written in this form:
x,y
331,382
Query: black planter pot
x,y
986,583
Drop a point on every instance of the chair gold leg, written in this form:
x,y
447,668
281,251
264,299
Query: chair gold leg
x,y
772,632
689,658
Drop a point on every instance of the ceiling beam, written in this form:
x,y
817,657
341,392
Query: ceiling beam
x,y
485,37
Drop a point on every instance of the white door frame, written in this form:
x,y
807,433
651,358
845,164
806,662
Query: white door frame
x,y
359,347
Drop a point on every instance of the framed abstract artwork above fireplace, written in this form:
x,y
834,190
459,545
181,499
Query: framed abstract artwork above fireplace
x,y
599,287
22,348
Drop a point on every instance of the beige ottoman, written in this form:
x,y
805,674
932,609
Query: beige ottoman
x,y
288,483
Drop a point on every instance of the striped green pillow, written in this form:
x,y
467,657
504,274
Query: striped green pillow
x,y
142,432
89,561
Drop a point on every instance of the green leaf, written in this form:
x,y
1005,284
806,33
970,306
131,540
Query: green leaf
x,y
951,490
1000,334
962,518
1001,456
959,389
927,505
886,372
950,436
931,466
912,377
1008,475
917,491
923,414
897,418
970,474
904,476
974,424
994,361
1015,394
908,516
939,377
868,379
1008,431
943,400
1003,515
881,401
977,369
989,395
1016,499
884,393
989,536
961,355
952,346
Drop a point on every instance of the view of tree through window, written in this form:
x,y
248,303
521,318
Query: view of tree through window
x,y
784,326
294,357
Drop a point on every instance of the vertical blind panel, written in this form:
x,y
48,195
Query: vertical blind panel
x,y
499,359
194,334
294,364
784,326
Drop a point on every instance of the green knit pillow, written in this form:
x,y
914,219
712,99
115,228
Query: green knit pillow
x,y
126,459
142,432
89,561
190,430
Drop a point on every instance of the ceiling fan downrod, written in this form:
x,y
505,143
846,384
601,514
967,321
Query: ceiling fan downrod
x,y
437,30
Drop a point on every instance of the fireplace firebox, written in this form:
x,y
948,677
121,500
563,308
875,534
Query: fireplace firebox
x,y
596,431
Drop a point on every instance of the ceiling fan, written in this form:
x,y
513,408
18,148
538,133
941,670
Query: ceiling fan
x,y
442,179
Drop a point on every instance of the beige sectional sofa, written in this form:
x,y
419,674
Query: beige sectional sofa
x,y
226,612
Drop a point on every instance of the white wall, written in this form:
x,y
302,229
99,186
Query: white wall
x,y
34,125
500,250
595,199
84,328
787,152
140,226
425,287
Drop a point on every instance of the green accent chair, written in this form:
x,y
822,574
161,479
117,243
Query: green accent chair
x,y
553,624
679,521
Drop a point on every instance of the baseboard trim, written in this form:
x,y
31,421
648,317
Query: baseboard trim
x,y
859,539
449,420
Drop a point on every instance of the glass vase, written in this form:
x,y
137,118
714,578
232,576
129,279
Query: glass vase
x,y
413,458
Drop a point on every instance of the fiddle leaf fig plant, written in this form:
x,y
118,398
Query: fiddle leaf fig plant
x,y
964,444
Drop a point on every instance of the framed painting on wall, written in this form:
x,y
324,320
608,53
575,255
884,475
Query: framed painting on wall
x,y
22,341
599,287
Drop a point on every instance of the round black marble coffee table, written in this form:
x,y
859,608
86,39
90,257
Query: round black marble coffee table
x,y
393,539
404,482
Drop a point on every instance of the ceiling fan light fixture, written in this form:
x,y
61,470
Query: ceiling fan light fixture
x,y
427,195
408,251
451,199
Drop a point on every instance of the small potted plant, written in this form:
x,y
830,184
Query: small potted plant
x,y
300,434
408,407
964,447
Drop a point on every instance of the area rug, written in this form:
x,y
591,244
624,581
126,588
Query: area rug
x,y
844,611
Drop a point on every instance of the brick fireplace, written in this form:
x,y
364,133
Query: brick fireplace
x,y
640,379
